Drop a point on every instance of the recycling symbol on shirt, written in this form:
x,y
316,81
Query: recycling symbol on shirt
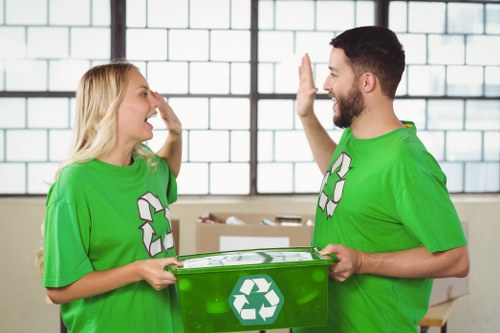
x,y
256,300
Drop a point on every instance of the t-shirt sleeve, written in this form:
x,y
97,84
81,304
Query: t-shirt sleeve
x,y
425,208
65,245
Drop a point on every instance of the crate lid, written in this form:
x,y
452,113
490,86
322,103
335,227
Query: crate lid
x,y
250,259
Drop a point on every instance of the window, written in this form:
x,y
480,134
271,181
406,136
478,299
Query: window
x,y
229,69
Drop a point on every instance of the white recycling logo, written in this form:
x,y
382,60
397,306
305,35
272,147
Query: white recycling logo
x,y
256,300
148,233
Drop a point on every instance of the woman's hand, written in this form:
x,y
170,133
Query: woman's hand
x,y
172,122
153,272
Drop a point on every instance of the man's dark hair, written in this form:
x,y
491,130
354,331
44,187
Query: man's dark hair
x,y
376,49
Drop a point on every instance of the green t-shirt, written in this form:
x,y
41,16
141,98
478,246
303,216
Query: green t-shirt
x,y
101,216
382,195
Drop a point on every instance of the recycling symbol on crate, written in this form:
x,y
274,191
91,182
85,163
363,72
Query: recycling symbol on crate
x,y
256,300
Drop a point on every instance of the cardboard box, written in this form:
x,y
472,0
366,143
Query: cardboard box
x,y
447,289
219,236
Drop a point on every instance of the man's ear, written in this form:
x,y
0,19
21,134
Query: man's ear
x,y
368,81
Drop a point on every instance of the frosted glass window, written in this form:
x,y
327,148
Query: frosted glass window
x,y
492,146
209,78
483,115
463,146
13,178
188,45
464,80
445,114
492,19
240,78
146,44
365,13
229,178
45,42
286,78
480,177
307,177
26,145
426,80
475,50
2,145
240,14
265,146
209,146
434,14
12,112
415,47
398,20
296,15
48,113
136,13
445,49
266,15
434,142
230,45
100,12
60,144
40,177
65,74
25,12
90,43
19,75
266,78
192,112
193,178
13,43
274,177
240,146
74,12
168,13
275,114
231,113
316,44
465,18
209,14
291,146
275,46
454,176
168,77
342,11
492,81
411,110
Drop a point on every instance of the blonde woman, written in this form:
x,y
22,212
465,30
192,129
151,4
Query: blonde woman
x,y
107,233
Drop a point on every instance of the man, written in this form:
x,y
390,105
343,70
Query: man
x,y
383,207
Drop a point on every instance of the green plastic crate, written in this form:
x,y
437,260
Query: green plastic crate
x,y
250,290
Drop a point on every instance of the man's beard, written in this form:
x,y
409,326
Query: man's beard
x,y
349,107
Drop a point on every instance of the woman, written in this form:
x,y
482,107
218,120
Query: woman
x,y
108,236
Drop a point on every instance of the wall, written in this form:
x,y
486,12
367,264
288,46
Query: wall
x,y
23,306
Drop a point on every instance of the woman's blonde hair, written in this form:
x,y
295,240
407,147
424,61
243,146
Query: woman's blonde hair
x,y
99,94
98,97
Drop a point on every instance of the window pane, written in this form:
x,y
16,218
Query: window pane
x,y
480,177
274,177
464,80
445,114
492,146
275,114
445,49
193,179
209,14
296,15
192,112
426,80
463,146
229,178
434,10
465,18
228,113
208,146
482,115
307,177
